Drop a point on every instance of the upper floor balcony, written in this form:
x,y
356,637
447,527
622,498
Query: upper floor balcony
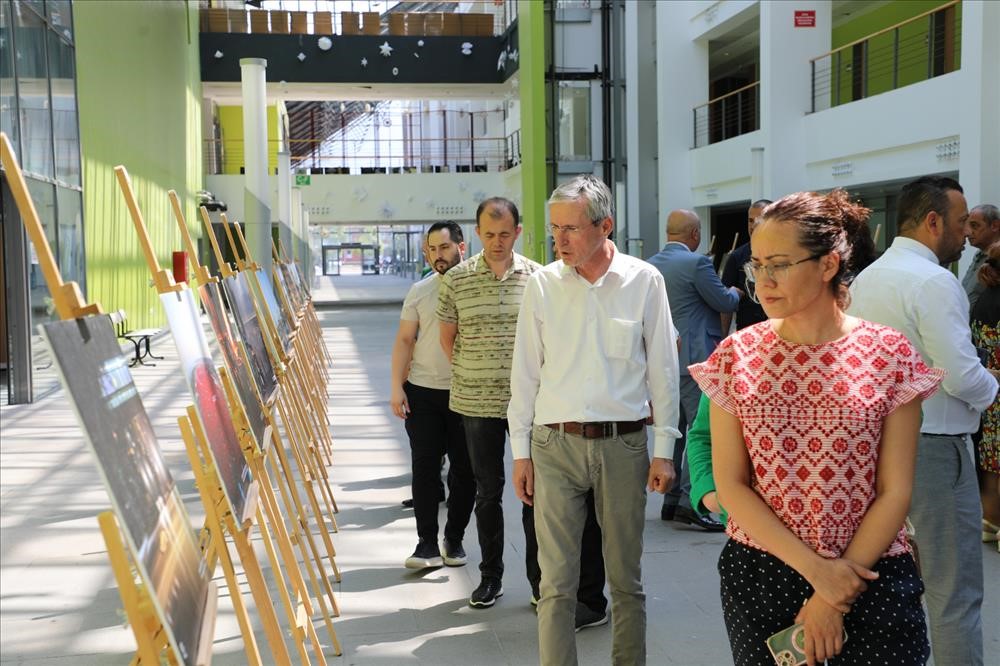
x,y
908,52
359,17
374,42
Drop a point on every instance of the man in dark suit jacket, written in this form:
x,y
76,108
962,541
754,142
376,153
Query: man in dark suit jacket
x,y
749,312
697,298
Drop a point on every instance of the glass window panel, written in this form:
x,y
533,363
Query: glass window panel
x,y
60,17
70,253
33,92
574,123
65,130
42,307
8,99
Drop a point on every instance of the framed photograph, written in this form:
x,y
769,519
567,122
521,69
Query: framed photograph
x,y
156,527
277,315
238,293
209,398
233,358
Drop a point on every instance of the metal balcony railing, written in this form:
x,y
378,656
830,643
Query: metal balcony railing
x,y
726,116
915,50
315,156
461,18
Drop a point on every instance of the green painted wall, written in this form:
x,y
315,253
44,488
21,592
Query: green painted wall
x,y
231,124
139,84
912,49
534,177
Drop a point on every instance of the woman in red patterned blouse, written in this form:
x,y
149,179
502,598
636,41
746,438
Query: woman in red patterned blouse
x,y
815,417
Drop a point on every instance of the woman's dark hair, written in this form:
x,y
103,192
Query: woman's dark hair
x,y
989,272
829,223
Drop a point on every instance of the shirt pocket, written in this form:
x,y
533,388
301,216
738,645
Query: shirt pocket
x,y
624,338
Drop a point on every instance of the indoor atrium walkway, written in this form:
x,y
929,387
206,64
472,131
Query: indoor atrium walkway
x,y
60,604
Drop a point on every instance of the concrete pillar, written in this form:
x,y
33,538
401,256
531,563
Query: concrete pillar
x,y
534,185
257,188
681,84
979,159
285,222
640,102
786,88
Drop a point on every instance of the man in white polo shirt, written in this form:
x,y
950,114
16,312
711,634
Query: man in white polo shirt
x,y
421,377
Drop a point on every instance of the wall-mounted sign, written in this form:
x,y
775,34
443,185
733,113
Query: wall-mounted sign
x,y
303,179
805,18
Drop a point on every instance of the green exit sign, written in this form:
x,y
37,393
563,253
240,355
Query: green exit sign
x,y
303,179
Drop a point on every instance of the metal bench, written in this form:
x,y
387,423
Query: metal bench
x,y
140,339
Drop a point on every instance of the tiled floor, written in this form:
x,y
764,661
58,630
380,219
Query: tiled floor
x,y
59,605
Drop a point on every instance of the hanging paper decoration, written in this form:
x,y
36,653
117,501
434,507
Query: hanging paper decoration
x,y
218,54
502,61
467,48
395,72
364,62
324,43
301,56
385,49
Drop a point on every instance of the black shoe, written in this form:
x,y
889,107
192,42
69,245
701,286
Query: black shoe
x,y
667,511
588,617
489,590
454,554
426,556
688,516
408,503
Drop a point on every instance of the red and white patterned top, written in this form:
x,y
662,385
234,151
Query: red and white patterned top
x,y
812,420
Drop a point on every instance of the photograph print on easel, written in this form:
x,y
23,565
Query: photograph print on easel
x,y
154,523
277,314
211,300
209,398
238,294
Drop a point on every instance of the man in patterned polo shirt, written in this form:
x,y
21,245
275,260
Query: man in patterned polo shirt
x,y
477,307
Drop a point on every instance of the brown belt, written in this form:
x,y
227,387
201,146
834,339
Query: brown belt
x,y
599,430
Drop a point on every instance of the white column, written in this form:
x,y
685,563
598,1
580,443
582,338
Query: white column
x,y
979,160
299,235
285,223
640,110
757,173
681,84
257,188
786,89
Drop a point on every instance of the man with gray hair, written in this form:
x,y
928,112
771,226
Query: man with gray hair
x,y
594,351
982,229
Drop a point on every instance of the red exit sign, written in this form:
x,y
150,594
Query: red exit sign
x,y
805,18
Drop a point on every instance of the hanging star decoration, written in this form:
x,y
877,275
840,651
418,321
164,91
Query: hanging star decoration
x,y
513,55
420,42
467,48
364,62
502,61
218,54
385,49
301,56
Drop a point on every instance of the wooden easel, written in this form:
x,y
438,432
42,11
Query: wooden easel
x,y
306,410
148,627
257,454
238,528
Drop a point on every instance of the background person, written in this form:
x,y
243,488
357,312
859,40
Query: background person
x,y
909,289
982,229
749,311
986,336
814,420
697,297
421,377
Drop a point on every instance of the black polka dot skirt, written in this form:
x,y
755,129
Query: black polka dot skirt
x,y
761,595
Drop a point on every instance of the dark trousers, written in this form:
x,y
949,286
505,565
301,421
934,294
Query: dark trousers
x,y
486,438
591,589
436,431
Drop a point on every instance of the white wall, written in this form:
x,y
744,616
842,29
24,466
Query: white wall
x,y
383,198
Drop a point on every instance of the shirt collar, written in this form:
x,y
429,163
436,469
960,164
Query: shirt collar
x,y
618,266
516,265
905,244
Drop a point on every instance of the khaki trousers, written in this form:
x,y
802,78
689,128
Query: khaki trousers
x,y
566,467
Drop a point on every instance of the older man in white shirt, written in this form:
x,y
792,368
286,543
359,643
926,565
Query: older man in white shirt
x,y
907,288
594,347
